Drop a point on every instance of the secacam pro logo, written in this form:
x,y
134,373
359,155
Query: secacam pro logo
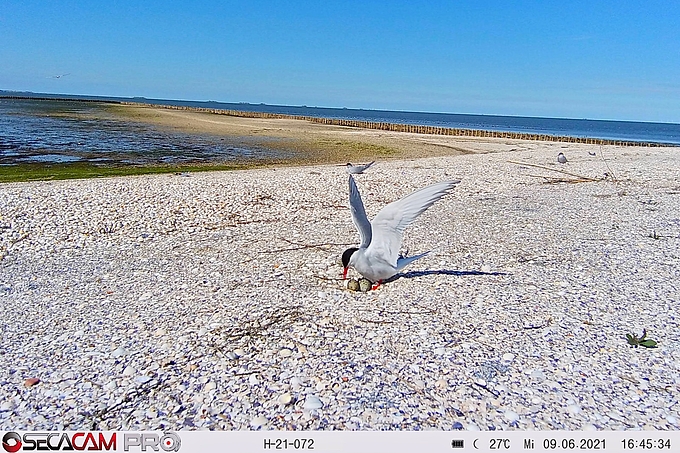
x,y
13,442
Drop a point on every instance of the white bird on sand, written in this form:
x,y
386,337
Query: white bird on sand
x,y
357,169
377,258
561,158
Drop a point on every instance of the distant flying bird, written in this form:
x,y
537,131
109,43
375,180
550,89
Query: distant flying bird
x,y
357,169
59,76
561,158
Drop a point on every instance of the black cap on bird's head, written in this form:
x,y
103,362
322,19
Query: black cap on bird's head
x,y
346,255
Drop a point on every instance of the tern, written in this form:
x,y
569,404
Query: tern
x,y
561,158
377,258
357,169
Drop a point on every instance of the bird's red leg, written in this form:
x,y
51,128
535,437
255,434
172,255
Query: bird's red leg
x,y
376,285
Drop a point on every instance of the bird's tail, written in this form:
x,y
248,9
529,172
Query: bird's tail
x,y
404,261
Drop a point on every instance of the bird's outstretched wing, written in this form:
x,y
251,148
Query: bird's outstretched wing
x,y
358,169
356,207
389,225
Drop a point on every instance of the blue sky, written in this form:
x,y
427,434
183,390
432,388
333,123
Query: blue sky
x,y
576,59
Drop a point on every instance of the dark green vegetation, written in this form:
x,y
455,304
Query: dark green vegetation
x,y
41,171
642,340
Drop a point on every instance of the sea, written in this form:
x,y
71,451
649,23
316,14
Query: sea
x,y
41,128
68,131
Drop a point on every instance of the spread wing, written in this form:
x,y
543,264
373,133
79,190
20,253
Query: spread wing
x,y
356,207
389,225
365,167
357,169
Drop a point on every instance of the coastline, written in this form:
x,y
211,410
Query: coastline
x,y
311,142
294,140
328,141
298,142
466,125
211,300
401,127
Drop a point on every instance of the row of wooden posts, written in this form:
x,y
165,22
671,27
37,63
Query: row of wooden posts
x,y
410,128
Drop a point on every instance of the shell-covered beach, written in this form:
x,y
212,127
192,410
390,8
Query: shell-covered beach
x,y
214,300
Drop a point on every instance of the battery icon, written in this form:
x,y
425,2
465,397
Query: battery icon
x,y
457,443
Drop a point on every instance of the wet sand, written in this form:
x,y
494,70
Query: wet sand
x,y
314,143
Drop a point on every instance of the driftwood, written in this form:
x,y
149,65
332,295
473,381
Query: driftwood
x,y
302,246
611,173
580,178
555,180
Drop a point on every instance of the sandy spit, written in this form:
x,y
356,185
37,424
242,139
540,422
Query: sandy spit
x,y
313,143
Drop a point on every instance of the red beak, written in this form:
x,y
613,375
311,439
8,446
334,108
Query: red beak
x,y
344,273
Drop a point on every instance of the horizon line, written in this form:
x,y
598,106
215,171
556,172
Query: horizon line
x,y
66,96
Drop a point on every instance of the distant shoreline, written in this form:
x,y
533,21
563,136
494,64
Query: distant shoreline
x,y
359,124
293,140
42,98
409,128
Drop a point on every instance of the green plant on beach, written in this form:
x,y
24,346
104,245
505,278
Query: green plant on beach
x,y
41,172
635,341
359,149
